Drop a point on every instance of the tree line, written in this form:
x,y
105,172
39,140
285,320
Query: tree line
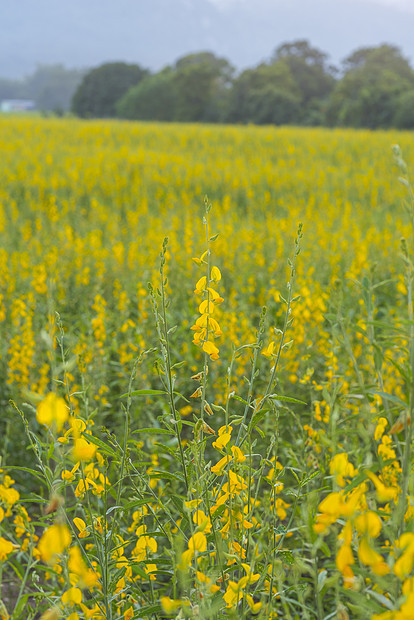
x,y
373,88
51,87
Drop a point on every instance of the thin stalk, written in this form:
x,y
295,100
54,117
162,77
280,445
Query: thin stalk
x,y
169,377
29,567
203,395
108,606
286,323
259,340
166,357
409,421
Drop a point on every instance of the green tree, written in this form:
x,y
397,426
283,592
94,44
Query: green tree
x,y
266,94
154,98
404,110
52,86
11,89
102,87
313,76
371,88
203,83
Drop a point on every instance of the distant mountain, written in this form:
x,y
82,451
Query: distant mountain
x,y
154,33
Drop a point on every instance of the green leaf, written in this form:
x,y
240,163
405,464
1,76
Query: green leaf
x,y
179,364
22,606
149,610
256,419
101,444
391,397
153,431
235,397
181,396
112,508
325,550
287,556
286,399
166,474
143,393
34,473
311,477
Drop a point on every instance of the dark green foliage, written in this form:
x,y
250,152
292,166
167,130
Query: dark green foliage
x,y
154,98
312,75
52,87
297,86
266,94
102,87
194,90
371,89
404,112
11,89
202,81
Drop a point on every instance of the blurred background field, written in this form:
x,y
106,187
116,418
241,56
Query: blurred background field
x,y
84,207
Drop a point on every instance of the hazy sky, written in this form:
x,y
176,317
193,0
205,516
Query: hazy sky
x,y
154,33
402,5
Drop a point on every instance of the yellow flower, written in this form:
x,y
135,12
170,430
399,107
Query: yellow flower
x,y
368,523
202,521
73,596
198,392
211,350
224,436
384,494
344,557
252,577
341,467
215,274
219,467
232,594
81,525
208,409
193,503
170,605
198,542
380,428
201,285
215,296
199,261
269,351
129,613
52,411
51,614
254,607
144,544
206,307
83,450
6,547
404,565
69,476
238,455
236,482
370,557
53,542
79,573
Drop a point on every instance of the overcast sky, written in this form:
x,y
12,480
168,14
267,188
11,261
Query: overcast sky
x,y
154,33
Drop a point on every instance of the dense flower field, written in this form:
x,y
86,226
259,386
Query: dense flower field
x,y
218,423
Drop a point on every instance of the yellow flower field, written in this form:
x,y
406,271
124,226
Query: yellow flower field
x,y
170,447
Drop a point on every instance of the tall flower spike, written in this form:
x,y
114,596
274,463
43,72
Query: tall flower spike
x,y
206,328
